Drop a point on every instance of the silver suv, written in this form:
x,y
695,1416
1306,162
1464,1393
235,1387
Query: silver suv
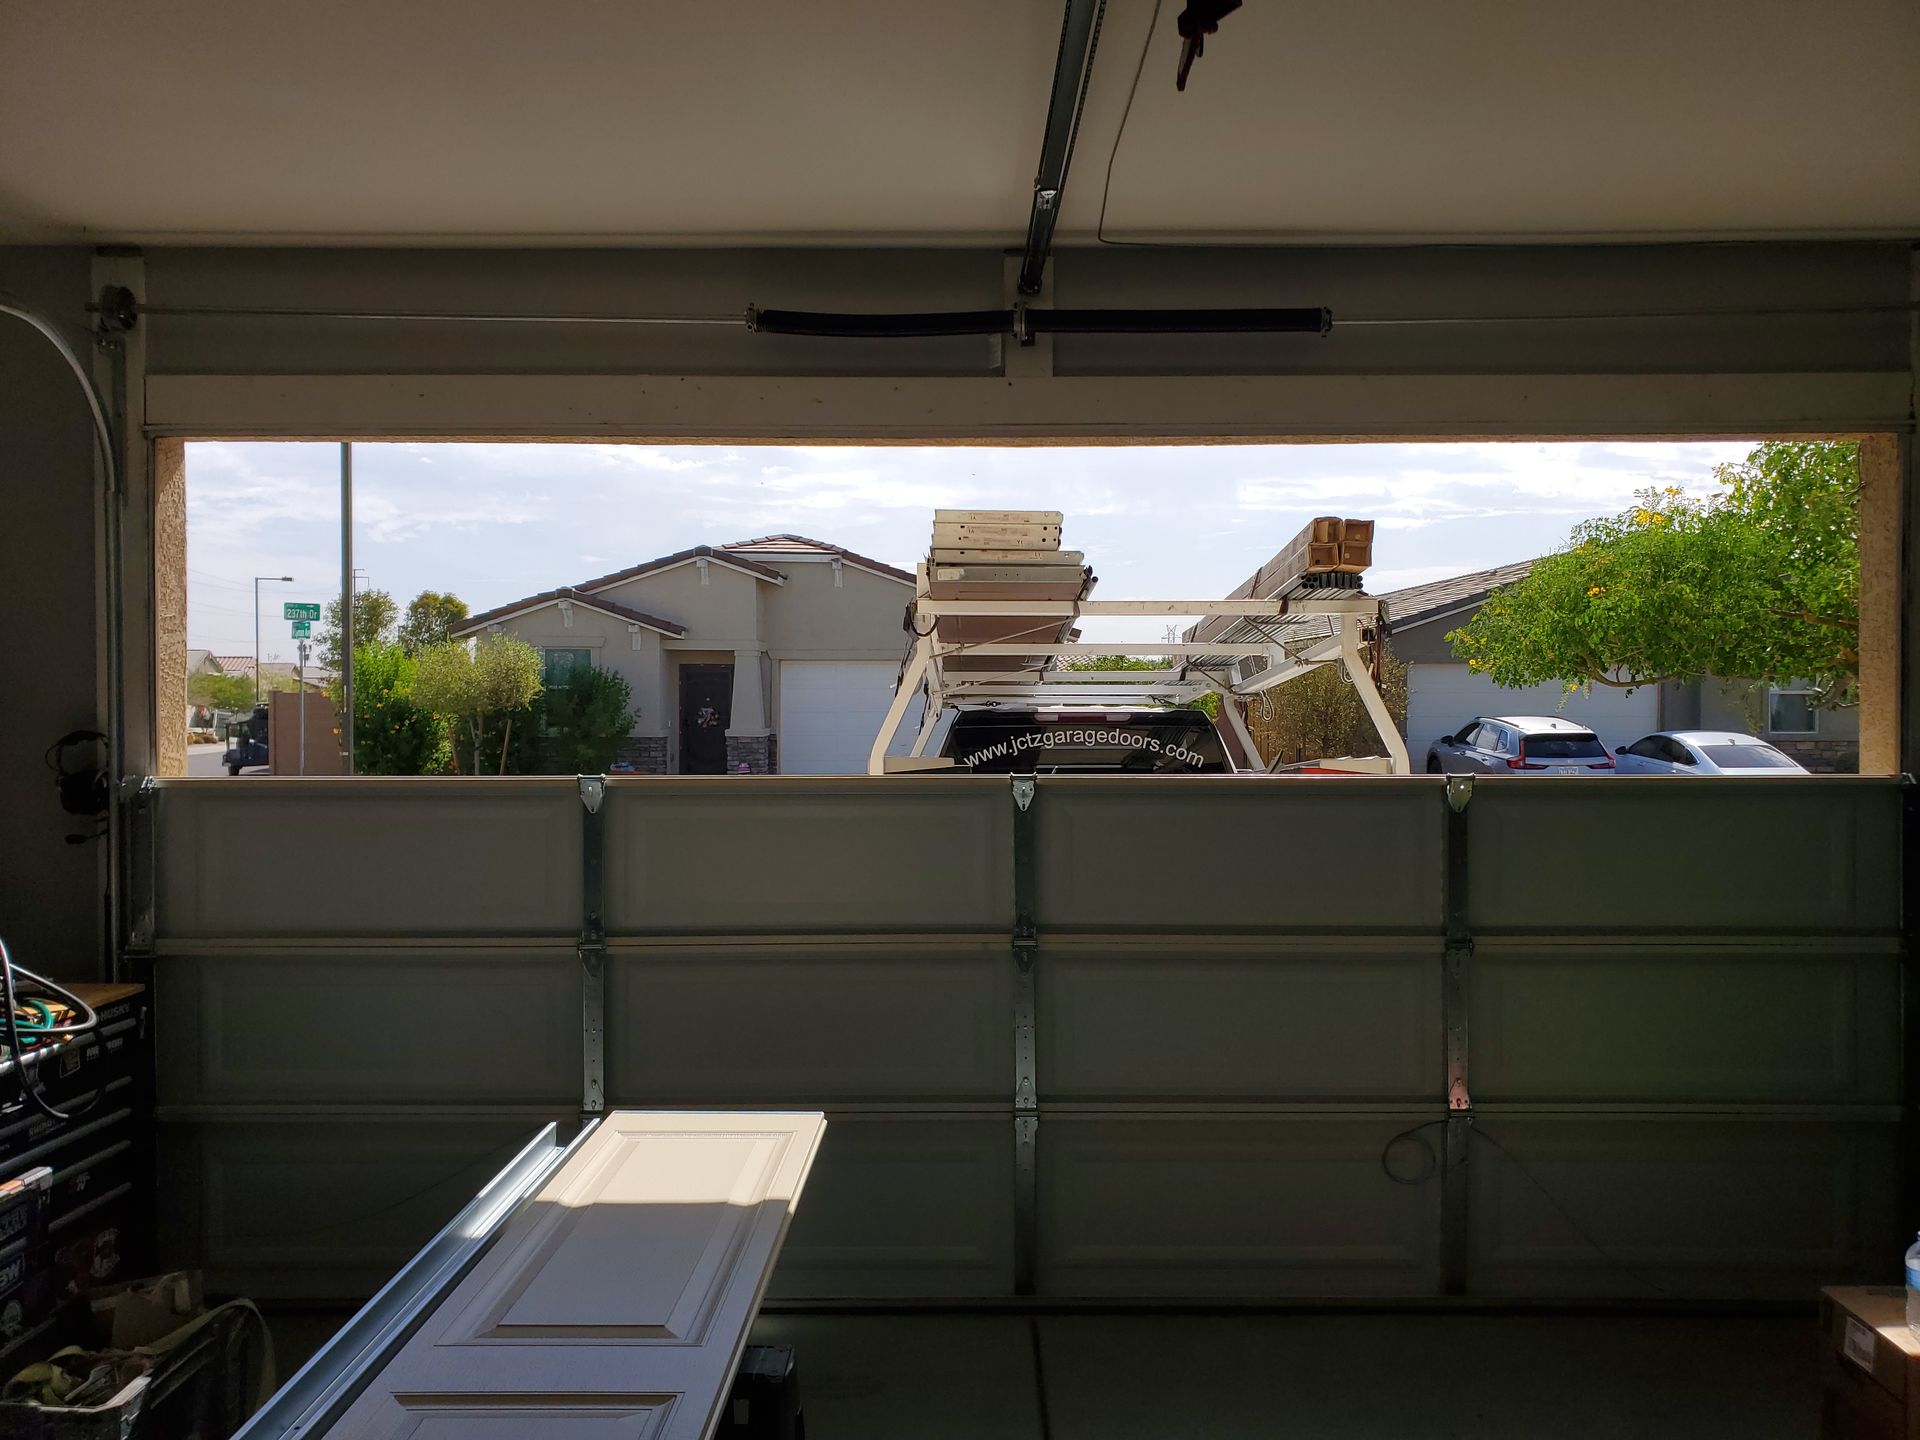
x,y
1520,745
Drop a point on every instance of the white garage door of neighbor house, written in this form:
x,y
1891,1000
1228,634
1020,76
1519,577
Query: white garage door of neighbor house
x,y
1442,698
830,711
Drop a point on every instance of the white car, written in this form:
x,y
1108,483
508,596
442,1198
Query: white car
x,y
1704,752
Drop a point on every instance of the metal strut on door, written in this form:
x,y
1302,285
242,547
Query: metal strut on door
x,y
1026,1080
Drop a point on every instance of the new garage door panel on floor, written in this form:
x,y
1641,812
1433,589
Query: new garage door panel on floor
x,y
617,1301
830,710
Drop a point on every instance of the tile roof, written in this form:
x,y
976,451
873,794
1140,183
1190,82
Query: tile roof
x,y
788,544
577,596
740,555
680,557
1419,603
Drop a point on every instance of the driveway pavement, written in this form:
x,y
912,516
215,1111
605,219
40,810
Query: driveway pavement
x,y
205,760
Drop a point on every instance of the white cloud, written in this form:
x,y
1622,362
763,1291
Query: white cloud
x,y
495,522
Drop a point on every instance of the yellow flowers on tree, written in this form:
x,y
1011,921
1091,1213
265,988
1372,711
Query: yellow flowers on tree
x,y
495,679
1760,581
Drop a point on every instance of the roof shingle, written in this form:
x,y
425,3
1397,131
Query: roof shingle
x,y
787,543
577,596
1419,603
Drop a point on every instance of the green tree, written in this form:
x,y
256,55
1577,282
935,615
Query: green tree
x,y
585,720
393,734
1319,715
221,692
494,683
1210,704
430,618
1760,581
373,615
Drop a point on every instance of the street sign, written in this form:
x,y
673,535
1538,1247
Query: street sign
x,y
302,629
300,610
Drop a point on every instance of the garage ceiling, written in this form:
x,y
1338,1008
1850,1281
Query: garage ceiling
x,y
850,121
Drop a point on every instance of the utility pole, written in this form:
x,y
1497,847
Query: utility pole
x,y
277,579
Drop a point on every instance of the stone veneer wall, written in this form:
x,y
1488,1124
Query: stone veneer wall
x,y
646,753
756,752
1823,757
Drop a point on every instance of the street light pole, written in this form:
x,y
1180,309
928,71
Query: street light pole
x,y
288,579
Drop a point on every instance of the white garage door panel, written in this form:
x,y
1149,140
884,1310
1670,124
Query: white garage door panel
x,y
830,711
617,1301
1442,698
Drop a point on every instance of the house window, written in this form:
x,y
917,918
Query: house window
x,y
1792,712
557,665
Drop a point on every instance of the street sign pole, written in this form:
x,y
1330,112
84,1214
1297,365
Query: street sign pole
x,y
300,694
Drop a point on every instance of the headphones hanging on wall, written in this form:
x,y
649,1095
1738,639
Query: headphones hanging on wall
x,y
77,760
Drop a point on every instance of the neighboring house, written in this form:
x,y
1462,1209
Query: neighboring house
x,y
777,654
1443,694
276,674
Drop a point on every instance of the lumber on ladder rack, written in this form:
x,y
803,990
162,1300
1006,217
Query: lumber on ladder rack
x,y
996,601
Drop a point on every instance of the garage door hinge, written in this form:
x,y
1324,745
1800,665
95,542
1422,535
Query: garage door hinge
x,y
1026,941
1459,791
593,789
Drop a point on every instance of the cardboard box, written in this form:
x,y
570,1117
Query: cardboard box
x,y
1872,1365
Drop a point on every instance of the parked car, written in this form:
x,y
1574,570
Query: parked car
x,y
1705,752
1522,745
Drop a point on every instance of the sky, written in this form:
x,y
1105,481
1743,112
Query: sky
x,y
493,523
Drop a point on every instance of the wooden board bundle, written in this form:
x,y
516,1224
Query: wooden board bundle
x,y
1326,545
1010,555
951,555
1047,518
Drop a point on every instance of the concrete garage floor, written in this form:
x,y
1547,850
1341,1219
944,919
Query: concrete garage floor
x,y
1253,1377
1207,1377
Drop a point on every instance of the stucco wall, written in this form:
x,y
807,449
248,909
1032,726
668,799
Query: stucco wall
x,y
809,618
722,614
1427,644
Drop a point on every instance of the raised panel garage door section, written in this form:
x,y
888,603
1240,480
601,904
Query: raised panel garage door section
x,y
616,1303
830,711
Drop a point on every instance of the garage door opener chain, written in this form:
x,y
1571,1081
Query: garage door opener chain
x,y
1026,1085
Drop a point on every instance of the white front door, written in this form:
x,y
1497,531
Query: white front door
x,y
830,711
615,1305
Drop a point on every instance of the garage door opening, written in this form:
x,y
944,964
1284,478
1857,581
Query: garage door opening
x,y
632,578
